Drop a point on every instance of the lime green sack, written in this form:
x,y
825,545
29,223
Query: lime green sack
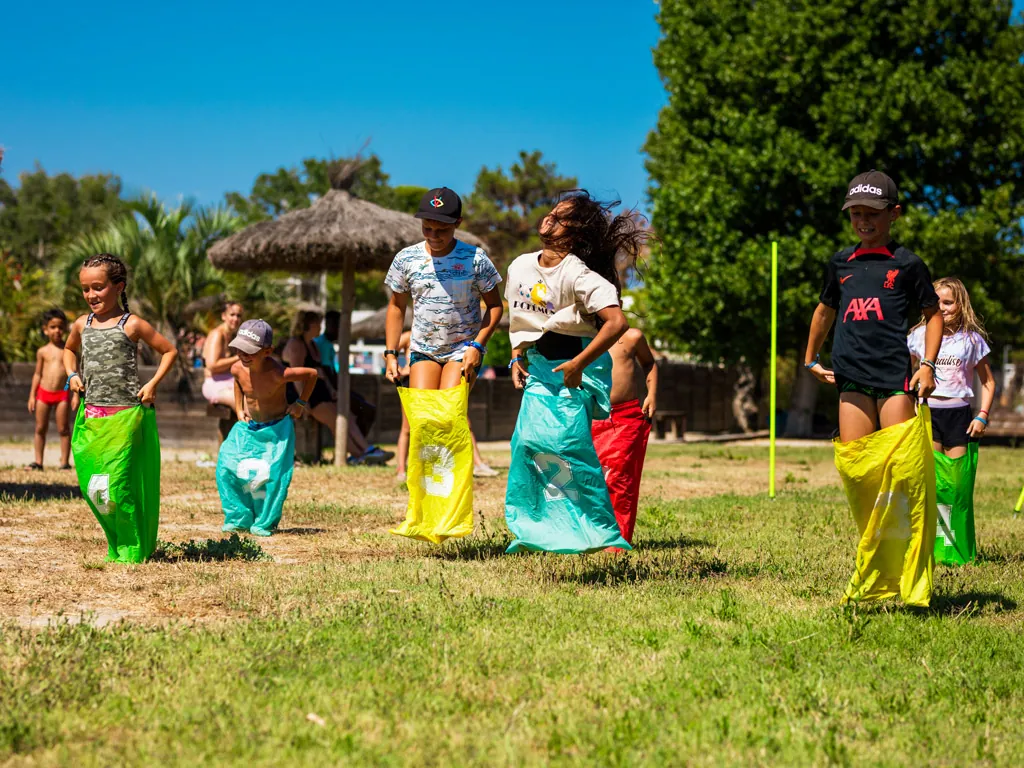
x,y
117,459
954,485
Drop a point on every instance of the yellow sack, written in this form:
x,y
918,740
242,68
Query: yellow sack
x,y
440,471
889,478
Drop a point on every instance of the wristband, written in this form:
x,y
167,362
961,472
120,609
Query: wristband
x,y
929,363
514,361
813,362
302,402
983,421
982,410
478,347
393,352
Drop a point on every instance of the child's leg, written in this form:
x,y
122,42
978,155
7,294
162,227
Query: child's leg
x,y
425,374
858,416
42,424
895,410
403,444
326,414
64,427
357,444
451,375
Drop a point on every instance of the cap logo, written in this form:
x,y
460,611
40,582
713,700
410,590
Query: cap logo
x,y
250,335
437,202
865,188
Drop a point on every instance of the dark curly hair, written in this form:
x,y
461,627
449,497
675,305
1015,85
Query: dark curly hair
x,y
52,314
117,272
599,239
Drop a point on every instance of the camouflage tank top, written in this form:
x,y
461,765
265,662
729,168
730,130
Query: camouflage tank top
x,y
109,368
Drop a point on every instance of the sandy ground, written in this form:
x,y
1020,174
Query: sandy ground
x,y
52,548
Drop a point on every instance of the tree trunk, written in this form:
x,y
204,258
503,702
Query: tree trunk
x,y
800,421
744,407
348,297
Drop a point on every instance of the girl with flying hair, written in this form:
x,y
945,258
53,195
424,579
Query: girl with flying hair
x,y
565,314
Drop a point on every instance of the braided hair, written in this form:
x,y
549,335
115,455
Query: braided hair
x,y
117,272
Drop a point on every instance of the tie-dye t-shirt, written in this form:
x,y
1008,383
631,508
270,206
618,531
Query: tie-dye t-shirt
x,y
958,357
445,292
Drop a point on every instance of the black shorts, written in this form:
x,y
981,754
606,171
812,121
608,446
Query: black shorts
x,y
321,394
844,384
949,425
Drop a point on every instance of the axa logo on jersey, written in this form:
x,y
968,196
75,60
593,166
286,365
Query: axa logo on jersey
x,y
862,308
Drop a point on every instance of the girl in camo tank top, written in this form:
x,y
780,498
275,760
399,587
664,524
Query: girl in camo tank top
x,y
100,355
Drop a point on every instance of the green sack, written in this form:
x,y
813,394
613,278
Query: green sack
x,y
117,459
954,484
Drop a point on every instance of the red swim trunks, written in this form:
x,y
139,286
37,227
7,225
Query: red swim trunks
x,y
621,444
51,398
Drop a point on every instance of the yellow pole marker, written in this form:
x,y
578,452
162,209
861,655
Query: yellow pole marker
x,y
1020,503
775,330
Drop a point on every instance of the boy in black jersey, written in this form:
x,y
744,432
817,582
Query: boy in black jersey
x,y
873,289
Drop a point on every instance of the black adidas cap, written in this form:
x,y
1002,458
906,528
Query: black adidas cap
x,y
873,189
440,204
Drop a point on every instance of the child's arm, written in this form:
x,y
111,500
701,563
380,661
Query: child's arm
x,y
394,319
240,403
168,354
519,368
645,358
988,394
821,323
473,357
70,357
614,325
296,375
924,378
37,377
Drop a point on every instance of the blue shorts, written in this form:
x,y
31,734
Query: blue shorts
x,y
455,356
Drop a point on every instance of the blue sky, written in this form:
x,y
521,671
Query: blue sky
x,y
196,99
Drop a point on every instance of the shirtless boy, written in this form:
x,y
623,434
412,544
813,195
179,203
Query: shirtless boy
x,y
47,393
621,439
261,381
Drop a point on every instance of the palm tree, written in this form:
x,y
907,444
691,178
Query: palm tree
x,y
165,250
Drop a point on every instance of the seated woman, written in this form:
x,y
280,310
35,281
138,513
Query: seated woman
x,y
218,384
301,352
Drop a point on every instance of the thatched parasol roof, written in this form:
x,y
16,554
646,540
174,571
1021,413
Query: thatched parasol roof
x,y
315,239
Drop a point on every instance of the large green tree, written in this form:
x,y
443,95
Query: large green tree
x,y
505,208
44,212
773,106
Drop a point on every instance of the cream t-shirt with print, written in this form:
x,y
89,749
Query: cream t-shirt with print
x,y
542,299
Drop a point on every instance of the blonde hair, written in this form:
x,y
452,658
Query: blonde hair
x,y
303,320
965,320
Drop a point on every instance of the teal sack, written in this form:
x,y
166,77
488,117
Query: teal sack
x,y
117,459
556,499
254,470
954,484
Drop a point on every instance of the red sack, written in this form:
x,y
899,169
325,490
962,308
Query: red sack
x,y
621,444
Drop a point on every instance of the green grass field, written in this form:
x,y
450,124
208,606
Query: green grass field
x,y
718,641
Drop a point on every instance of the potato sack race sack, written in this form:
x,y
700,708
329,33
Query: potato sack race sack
x,y
557,499
889,477
954,486
117,459
254,470
440,467
621,445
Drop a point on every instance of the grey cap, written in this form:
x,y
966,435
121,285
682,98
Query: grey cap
x,y
873,189
252,336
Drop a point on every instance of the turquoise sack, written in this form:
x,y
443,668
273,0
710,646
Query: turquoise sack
x,y
556,499
254,470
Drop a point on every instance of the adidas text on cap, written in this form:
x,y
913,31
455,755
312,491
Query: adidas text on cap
x,y
873,189
440,204
252,336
